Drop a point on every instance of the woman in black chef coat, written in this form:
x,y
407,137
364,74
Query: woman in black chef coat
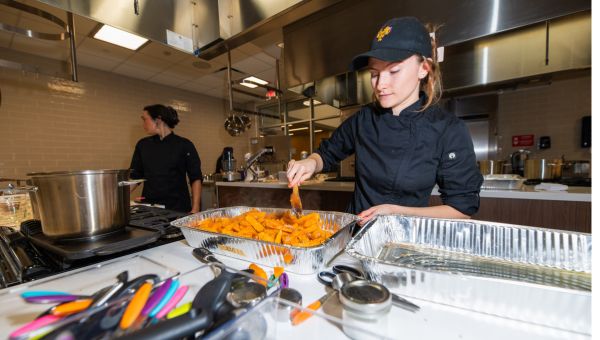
x,y
404,142
164,159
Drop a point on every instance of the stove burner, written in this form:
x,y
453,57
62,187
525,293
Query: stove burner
x,y
156,218
20,261
76,249
30,255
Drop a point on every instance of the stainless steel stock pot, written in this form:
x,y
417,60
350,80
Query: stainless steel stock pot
x,y
80,203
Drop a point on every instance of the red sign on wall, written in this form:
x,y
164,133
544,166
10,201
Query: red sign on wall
x,y
522,140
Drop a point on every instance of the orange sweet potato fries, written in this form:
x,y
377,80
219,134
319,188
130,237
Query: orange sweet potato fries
x,y
306,231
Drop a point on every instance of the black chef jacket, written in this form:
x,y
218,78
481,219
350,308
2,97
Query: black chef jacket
x,y
399,159
164,164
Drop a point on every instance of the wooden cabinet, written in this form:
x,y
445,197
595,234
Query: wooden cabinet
x,y
280,198
564,215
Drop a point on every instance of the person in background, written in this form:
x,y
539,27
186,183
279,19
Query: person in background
x,y
164,159
404,142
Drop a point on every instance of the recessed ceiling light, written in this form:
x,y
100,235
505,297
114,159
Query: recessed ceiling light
x,y
307,102
250,85
318,131
256,80
119,37
280,45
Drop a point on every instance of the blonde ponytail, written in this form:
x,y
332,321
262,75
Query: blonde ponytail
x,y
432,83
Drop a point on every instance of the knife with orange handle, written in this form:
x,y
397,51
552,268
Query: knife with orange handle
x,y
300,317
71,307
135,306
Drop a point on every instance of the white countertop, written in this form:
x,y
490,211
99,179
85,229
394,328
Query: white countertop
x,y
577,194
433,321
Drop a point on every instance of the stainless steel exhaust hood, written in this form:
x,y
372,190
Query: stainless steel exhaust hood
x,y
486,42
521,57
212,27
195,22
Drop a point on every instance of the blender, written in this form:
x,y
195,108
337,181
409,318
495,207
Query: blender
x,y
229,166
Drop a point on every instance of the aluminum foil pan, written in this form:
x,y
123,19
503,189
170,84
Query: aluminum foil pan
x,y
530,274
299,260
502,182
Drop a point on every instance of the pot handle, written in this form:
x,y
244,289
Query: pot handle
x,y
131,182
16,190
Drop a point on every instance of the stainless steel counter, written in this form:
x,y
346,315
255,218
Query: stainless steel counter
x,y
576,194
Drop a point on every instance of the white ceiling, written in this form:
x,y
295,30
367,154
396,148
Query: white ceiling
x,y
154,62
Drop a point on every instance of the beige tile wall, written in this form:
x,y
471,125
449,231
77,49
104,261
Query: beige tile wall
x,y
554,111
48,124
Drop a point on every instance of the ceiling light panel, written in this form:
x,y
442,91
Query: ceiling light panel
x,y
250,85
256,80
119,37
307,102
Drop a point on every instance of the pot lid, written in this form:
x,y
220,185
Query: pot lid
x,y
78,172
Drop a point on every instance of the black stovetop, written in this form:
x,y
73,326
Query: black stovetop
x,y
29,255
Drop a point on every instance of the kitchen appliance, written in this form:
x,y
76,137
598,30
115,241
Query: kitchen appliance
x,y
576,169
229,166
29,254
517,159
543,169
80,203
491,167
253,173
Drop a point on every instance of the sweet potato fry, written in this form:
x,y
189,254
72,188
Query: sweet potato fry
x,y
307,231
255,224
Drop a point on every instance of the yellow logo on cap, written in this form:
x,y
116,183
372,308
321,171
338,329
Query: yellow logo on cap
x,y
383,32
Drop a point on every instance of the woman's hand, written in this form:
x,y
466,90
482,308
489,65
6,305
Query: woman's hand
x,y
382,209
299,171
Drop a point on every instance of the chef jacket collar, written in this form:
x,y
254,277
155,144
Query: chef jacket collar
x,y
411,111
157,136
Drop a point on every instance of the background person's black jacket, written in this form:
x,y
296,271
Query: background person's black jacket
x,y
164,164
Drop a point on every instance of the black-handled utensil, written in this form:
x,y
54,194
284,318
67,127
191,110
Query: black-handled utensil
x,y
205,256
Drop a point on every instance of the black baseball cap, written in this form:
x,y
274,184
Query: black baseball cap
x,y
396,40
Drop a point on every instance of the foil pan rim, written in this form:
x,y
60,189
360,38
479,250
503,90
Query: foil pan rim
x,y
353,252
177,223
